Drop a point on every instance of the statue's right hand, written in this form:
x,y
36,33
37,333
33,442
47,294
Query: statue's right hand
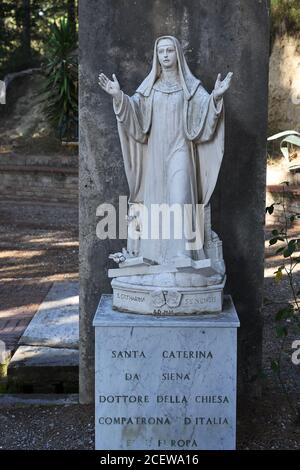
x,y
111,87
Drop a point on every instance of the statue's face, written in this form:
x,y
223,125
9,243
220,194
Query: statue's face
x,y
166,53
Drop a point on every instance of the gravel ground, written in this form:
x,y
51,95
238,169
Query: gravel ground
x,y
49,427
38,246
38,241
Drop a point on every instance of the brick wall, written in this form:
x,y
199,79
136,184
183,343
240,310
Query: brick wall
x,y
43,178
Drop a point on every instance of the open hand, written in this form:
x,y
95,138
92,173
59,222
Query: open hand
x,y
222,86
112,87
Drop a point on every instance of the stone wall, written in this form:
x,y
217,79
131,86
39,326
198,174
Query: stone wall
x,y
40,178
117,37
284,84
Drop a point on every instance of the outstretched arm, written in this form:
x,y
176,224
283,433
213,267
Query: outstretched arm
x,y
126,108
112,87
221,86
215,107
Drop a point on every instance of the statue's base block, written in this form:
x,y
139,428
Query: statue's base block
x,y
165,383
151,300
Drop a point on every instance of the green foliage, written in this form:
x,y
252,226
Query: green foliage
x,y
61,86
8,33
285,15
289,316
44,33
18,54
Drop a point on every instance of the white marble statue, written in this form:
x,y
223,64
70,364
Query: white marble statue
x,y
172,138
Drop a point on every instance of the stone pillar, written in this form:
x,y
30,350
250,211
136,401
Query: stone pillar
x,y
117,36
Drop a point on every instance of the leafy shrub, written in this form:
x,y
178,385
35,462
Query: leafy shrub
x,y
61,87
285,15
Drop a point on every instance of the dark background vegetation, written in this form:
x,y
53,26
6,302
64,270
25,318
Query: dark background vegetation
x,y
24,30
285,16
40,37
24,27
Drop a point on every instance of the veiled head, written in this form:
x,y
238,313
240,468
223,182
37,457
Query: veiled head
x,y
174,58
166,53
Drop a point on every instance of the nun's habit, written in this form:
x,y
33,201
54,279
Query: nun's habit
x,y
172,141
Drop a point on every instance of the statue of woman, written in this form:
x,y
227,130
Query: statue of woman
x,y
172,138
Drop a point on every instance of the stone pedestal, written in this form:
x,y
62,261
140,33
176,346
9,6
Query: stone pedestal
x,y
165,383
150,300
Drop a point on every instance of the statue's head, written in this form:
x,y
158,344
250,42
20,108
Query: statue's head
x,y
166,53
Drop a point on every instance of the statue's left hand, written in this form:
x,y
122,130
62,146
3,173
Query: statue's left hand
x,y
222,85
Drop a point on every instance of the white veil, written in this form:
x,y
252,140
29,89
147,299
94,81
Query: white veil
x,y
188,81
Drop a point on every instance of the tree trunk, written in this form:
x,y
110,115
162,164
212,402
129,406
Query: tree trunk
x,y
26,32
72,16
